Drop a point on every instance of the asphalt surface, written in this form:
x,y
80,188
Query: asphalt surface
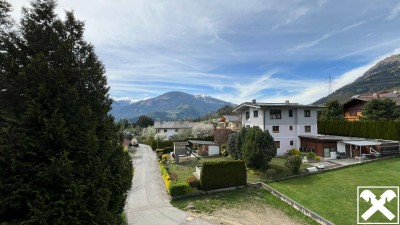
x,y
148,201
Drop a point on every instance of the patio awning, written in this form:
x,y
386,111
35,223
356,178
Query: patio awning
x,y
362,143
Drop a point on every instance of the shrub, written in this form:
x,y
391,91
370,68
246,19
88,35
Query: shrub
x,y
177,189
317,158
222,174
293,151
311,155
165,157
168,150
293,163
270,173
193,182
258,148
224,151
166,178
159,150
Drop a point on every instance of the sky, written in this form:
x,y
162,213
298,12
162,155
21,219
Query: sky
x,y
236,51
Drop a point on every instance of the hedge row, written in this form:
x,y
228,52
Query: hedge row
x,y
389,130
179,189
222,174
174,189
165,176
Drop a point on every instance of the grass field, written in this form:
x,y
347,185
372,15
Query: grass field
x,y
252,198
186,168
333,195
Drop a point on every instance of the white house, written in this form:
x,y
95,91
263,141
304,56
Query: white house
x,y
172,127
285,121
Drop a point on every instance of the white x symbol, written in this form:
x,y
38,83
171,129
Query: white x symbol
x,y
378,205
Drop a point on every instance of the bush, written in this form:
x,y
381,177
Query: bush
x,y
258,148
222,174
224,151
159,150
293,151
165,176
270,173
311,155
293,163
193,182
317,158
165,157
168,150
177,189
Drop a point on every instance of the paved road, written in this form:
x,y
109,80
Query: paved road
x,y
148,201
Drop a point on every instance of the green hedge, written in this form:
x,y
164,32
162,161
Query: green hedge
x,y
177,189
389,130
222,174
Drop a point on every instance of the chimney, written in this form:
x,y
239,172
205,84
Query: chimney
x,y
287,102
254,101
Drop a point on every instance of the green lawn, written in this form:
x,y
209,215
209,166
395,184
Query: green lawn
x,y
333,195
251,198
186,168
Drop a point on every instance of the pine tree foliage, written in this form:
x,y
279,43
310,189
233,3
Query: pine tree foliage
x,y
61,161
380,109
333,111
258,148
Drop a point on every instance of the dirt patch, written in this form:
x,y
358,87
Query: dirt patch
x,y
173,176
246,214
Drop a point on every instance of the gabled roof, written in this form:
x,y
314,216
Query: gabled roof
x,y
260,105
173,124
366,98
232,118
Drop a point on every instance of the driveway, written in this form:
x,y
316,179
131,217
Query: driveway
x,y
148,201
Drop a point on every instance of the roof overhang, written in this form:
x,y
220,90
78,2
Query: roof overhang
x,y
362,143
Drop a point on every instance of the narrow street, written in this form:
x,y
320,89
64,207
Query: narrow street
x,y
148,201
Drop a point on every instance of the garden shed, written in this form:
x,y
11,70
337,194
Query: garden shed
x,y
205,148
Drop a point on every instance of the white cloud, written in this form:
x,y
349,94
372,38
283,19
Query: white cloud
x,y
394,12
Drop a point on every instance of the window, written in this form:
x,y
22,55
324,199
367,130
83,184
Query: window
x,y
275,114
275,129
290,113
176,130
307,113
255,113
291,143
247,115
159,130
165,130
307,129
247,126
290,127
237,125
277,144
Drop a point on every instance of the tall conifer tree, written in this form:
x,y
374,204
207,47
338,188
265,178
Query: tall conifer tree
x,y
61,160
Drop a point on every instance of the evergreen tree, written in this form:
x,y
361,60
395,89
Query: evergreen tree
x,y
380,109
333,111
231,145
240,137
258,148
145,121
61,159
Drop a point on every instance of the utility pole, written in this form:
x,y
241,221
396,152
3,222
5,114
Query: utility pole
x,y
330,84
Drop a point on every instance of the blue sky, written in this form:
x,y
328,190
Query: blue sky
x,y
235,50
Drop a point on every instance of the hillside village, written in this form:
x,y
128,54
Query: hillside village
x,y
72,154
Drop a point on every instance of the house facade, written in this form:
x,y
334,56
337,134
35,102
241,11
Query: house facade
x,y
172,127
284,121
330,146
230,122
353,107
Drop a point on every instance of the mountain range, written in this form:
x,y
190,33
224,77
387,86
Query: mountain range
x,y
169,106
384,76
